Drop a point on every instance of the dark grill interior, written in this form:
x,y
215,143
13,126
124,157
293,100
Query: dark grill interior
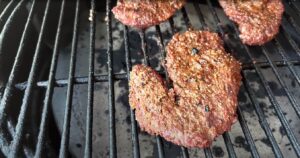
x,y
65,68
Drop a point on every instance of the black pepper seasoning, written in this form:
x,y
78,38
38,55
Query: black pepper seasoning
x,y
195,51
177,99
206,108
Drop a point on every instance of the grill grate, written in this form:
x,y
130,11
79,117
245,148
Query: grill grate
x,y
12,138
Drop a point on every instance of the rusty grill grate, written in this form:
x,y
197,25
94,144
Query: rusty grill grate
x,y
276,56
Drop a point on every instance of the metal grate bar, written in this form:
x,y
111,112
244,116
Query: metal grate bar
x,y
247,133
247,66
282,52
185,153
262,118
291,21
15,146
293,6
134,132
144,49
286,89
89,114
200,15
163,52
160,148
186,18
111,95
289,17
50,87
171,22
208,153
146,62
77,80
216,18
229,145
123,76
64,144
280,114
6,9
11,80
70,81
26,151
291,41
292,3
11,17
278,110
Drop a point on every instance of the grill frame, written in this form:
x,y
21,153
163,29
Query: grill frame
x,y
91,79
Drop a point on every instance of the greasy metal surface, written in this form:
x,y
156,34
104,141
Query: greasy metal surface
x,y
89,82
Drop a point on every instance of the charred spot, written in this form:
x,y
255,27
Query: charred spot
x,y
241,142
78,145
282,131
248,108
177,98
128,120
293,83
266,142
217,151
143,84
194,51
242,97
202,78
136,9
273,130
276,89
207,109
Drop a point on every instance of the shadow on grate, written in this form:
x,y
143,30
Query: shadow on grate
x,y
73,99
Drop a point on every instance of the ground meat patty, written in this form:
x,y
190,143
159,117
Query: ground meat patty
x,y
145,13
202,104
258,20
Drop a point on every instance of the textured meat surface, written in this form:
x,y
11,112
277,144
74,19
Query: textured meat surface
x,y
202,104
145,13
258,20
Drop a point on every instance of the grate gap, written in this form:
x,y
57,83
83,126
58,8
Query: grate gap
x,y
16,143
134,132
146,62
50,87
111,97
278,110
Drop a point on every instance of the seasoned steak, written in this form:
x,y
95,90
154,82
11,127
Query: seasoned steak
x,y
145,13
258,20
155,108
202,104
